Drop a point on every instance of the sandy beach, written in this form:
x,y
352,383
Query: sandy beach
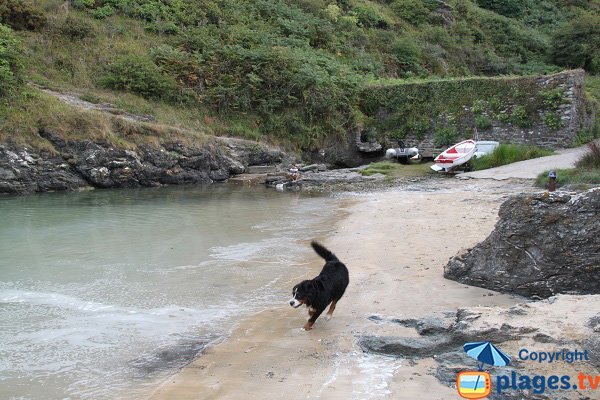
x,y
395,244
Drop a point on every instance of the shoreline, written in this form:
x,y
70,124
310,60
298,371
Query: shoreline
x,y
395,244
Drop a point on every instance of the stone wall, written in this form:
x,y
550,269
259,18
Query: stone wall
x,y
546,111
571,113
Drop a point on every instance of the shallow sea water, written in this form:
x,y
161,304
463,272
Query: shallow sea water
x,y
105,293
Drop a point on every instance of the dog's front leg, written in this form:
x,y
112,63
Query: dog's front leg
x,y
313,317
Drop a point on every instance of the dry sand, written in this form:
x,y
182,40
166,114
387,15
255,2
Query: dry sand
x,y
395,244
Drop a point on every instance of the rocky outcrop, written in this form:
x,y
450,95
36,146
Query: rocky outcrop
x,y
563,322
542,245
353,150
79,164
25,171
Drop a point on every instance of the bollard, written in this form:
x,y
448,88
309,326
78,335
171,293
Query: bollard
x,y
552,181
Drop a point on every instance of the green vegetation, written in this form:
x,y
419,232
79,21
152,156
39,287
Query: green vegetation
x,y
585,174
139,75
395,170
10,61
577,44
21,15
507,154
580,178
384,168
296,71
452,108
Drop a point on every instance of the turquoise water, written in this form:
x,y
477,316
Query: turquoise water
x,y
104,293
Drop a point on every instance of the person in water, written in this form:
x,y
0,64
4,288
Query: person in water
x,y
294,173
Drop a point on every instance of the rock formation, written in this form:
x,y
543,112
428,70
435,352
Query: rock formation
x,y
543,244
79,164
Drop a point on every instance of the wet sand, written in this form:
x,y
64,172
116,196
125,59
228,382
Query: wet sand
x,y
395,244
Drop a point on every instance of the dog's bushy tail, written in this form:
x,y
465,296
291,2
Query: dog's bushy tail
x,y
323,252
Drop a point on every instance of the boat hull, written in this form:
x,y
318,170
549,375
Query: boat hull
x,y
454,156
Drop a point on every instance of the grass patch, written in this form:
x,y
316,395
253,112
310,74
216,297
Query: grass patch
x,y
577,177
507,154
396,170
592,85
385,168
33,110
585,174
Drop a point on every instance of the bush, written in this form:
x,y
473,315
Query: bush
x,y
10,61
418,127
482,122
520,117
21,15
413,11
552,99
177,63
590,159
407,53
508,8
103,12
512,40
139,75
83,4
76,28
577,44
369,17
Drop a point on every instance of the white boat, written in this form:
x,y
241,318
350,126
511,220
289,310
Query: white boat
x,y
484,147
455,156
402,153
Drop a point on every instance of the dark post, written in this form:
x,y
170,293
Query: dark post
x,y
552,181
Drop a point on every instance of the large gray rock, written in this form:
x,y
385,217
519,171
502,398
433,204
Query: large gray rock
x,y
23,170
543,244
84,163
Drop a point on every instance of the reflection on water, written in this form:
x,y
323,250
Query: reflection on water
x,y
103,291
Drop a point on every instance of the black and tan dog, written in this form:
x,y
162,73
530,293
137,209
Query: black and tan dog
x,y
327,288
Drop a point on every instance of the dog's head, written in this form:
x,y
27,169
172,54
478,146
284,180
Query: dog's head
x,y
303,293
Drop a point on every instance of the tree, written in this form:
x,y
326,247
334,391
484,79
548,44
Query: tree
x,y
577,44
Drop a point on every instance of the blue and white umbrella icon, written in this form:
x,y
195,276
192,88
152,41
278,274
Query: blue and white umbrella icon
x,y
486,353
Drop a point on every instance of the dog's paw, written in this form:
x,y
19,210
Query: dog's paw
x,y
302,330
327,317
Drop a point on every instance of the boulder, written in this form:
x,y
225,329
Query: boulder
x,y
542,245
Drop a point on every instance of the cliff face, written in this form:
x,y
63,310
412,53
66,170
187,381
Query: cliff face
x,y
542,245
79,164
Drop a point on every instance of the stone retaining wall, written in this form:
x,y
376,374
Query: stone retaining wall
x,y
547,111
